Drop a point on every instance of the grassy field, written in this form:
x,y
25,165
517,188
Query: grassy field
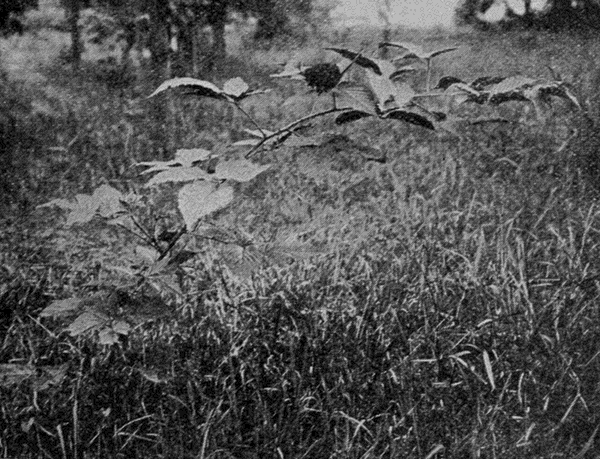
x,y
443,304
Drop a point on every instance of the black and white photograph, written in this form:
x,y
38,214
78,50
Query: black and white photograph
x,y
299,229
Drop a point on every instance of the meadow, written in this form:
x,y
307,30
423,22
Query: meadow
x,y
440,304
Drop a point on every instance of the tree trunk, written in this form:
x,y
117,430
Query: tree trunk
x,y
273,20
561,14
73,19
217,18
158,11
528,15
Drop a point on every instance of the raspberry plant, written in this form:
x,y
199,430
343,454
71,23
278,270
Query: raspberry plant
x,y
207,180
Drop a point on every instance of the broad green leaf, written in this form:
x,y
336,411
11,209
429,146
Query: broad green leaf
x,y
404,94
61,307
121,327
235,87
191,85
108,337
510,89
178,174
109,200
411,117
358,98
383,88
87,321
187,157
350,116
240,170
148,254
84,210
202,198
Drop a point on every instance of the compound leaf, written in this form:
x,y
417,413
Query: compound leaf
x,y
202,198
109,200
84,209
87,321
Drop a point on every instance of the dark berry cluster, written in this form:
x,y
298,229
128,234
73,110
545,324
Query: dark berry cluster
x,y
322,77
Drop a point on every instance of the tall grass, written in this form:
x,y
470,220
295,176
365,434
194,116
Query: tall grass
x,y
451,313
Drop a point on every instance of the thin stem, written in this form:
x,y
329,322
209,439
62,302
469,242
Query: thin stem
x,y
290,127
428,82
239,107
173,241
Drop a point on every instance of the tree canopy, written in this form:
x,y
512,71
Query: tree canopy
x,y
554,14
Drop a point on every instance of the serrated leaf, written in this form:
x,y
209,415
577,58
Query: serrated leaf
x,y
383,88
350,116
357,97
87,321
61,307
202,198
240,170
191,85
109,200
108,337
147,254
84,209
121,327
404,94
178,174
235,87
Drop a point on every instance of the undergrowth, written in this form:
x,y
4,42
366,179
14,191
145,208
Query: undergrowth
x,y
441,304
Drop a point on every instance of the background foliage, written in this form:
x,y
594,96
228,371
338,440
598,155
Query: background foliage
x,y
443,303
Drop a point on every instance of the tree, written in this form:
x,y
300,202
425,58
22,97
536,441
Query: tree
x,y
73,13
10,10
557,14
